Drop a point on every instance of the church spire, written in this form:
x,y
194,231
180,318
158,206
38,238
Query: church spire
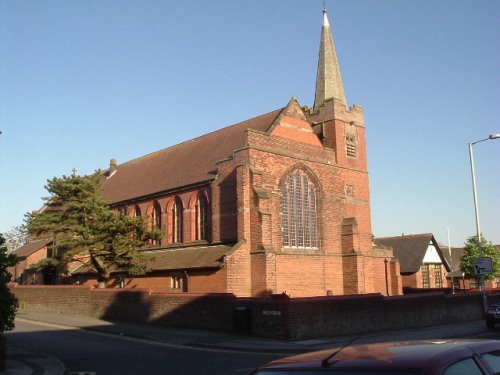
x,y
328,80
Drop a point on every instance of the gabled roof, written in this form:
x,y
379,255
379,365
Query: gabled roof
x,y
184,164
195,162
453,259
30,248
456,260
411,249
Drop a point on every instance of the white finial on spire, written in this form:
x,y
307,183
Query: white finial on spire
x,y
326,23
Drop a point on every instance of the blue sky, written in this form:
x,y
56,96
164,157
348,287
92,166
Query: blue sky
x,y
82,82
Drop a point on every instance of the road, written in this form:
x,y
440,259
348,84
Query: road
x,y
90,352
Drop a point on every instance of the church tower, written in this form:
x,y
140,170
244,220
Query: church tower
x,y
341,129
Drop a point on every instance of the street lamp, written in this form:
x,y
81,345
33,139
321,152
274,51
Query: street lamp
x,y
476,207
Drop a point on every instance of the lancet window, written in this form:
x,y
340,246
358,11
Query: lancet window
x,y
155,219
200,208
176,220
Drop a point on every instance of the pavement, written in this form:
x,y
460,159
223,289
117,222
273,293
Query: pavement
x,y
21,363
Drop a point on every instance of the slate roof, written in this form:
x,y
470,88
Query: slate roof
x,y
455,261
184,164
190,258
30,248
186,258
410,249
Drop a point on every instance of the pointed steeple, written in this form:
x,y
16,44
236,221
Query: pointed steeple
x,y
328,80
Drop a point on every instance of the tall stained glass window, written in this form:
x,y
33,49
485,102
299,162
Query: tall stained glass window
x,y
299,211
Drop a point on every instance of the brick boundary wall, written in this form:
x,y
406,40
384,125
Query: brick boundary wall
x,y
276,316
3,353
200,311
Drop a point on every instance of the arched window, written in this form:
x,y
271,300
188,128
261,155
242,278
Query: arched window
x,y
200,209
155,220
176,220
299,211
156,216
135,211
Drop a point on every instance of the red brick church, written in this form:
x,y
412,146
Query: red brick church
x,y
279,203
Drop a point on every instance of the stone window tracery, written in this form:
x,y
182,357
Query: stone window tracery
x,y
299,211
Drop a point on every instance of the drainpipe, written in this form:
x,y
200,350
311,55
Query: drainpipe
x,y
386,261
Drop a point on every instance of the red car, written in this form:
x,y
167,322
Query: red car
x,y
430,357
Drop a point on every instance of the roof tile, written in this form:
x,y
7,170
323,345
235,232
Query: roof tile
x,y
184,164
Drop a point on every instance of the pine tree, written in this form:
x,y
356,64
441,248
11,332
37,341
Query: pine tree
x,y
83,227
471,252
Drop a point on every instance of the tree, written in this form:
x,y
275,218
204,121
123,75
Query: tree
x,y
83,228
8,302
471,252
16,237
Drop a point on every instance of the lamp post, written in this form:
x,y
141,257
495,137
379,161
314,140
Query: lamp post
x,y
476,208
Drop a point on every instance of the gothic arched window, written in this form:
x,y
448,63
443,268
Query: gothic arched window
x,y
176,220
200,208
156,216
155,219
299,211
135,211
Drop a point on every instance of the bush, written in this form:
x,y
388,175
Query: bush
x,y
8,301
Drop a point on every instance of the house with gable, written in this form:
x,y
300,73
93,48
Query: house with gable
x,y
423,264
279,203
457,277
29,255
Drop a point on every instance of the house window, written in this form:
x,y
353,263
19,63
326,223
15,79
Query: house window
x,y
176,282
201,217
438,276
425,276
176,217
350,141
299,211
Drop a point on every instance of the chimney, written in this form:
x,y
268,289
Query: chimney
x,y
113,166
